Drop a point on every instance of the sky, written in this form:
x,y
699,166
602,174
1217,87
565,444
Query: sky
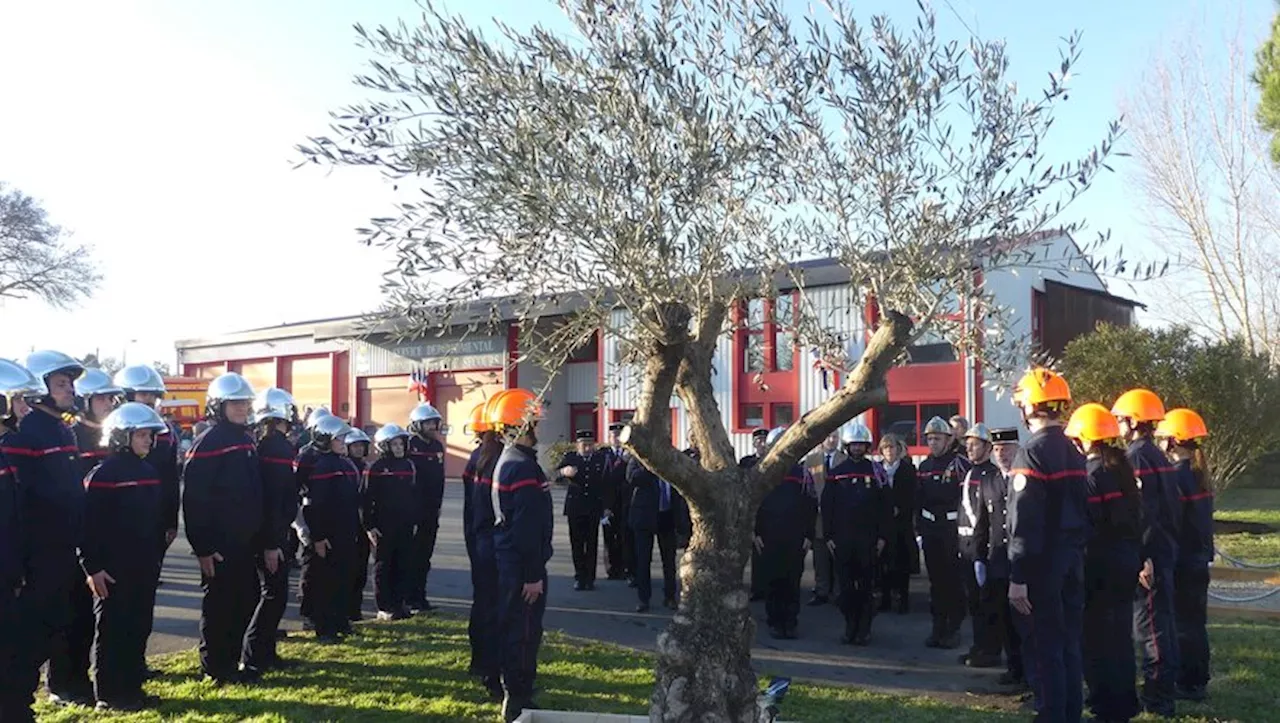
x,y
162,132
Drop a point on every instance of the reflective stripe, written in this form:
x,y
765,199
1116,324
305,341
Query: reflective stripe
x,y
927,515
966,531
1064,474
953,516
93,484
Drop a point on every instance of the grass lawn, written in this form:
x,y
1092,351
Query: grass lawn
x,y
1245,504
416,670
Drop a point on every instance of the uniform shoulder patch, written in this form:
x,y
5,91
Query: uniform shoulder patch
x,y
1019,482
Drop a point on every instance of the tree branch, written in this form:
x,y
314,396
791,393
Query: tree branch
x,y
865,388
693,384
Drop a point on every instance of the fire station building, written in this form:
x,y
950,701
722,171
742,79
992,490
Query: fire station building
x,y
762,379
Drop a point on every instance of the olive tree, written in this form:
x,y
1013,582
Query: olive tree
x,y
673,158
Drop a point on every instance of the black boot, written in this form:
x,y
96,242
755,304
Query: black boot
x,y
935,634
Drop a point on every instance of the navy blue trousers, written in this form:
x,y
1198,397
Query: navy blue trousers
x,y
520,628
260,639
1155,630
1191,602
121,631
1051,638
1110,668
482,625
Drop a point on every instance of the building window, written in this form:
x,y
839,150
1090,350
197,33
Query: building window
x,y
784,351
906,420
753,329
931,348
753,415
588,352
784,415
1037,317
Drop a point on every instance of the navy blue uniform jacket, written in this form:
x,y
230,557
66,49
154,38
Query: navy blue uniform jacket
x,y
49,467
938,481
585,494
991,534
164,457
481,517
222,492
89,441
1116,520
1195,544
1161,501
788,511
1047,504
279,493
428,464
856,511
331,501
524,497
388,502
10,525
124,503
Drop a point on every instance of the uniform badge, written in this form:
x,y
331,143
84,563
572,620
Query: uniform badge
x,y
1019,483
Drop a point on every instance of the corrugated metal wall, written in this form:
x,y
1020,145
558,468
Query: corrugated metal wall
x,y
581,382
837,309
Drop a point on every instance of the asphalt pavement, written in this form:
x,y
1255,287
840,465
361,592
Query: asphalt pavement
x,y
895,661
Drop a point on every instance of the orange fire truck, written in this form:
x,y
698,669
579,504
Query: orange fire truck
x,y
184,399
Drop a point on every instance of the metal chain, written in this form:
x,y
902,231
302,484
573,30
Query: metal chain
x,y
1247,599
1237,562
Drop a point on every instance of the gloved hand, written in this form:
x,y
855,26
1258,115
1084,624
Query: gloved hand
x,y
980,572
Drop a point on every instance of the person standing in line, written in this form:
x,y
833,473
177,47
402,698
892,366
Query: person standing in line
x,y
222,505
652,515
358,454
331,506
937,502
993,520
784,533
856,517
820,463
619,547
522,546
1138,411
53,507
1180,434
388,501
1110,566
982,479
123,507
1048,527
582,470
274,414
426,450
483,622
901,558
758,437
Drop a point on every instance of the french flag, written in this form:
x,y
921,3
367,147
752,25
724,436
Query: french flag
x,y
418,381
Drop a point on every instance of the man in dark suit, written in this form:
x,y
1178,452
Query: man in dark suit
x,y
618,546
758,437
583,470
655,506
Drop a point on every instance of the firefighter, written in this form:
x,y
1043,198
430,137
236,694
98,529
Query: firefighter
x,y
302,464
783,535
974,546
331,507
123,507
1181,434
274,414
426,449
69,658
1138,411
358,453
993,528
1111,565
855,516
476,428
618,545
222,506
144,385
582,470
482,624
16,383
939,479
758,438
387,512
522,546
901,558
1048,526
53,506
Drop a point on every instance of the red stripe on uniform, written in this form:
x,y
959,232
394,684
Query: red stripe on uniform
x,y
1064,474
1107,497
26,452
532,481
1198,496
94,454
219,452
277,460
1155,470
329,475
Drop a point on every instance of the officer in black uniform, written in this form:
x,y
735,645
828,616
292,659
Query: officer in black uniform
x,y
53,507
1048,526
652,514
783,534
331,506
939,481
522,546
358,453
274,413
758,437
982,479
387,512
123,508
70,656
426,450
856,515
222,505
992,568
583,470
15,383
618,546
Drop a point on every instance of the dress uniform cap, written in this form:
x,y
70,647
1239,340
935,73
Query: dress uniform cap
x,y
616,427
1004,436
584,435
759,432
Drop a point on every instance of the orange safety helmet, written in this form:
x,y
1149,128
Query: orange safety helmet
x,y
478,422
1041,386
1093,423
1140,405
1183,425
512,408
